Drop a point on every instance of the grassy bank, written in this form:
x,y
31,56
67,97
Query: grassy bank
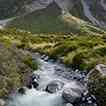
x,y
74,50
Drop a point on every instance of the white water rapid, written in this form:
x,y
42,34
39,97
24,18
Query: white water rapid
x,y
48,71
37,98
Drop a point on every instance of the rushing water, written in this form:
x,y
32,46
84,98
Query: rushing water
x,y
48,71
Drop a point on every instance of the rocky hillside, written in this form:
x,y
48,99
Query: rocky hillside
x,y
53,19
10,8
93,11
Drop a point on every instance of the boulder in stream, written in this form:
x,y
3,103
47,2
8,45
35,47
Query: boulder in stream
x,y
22,90
97,83
54,86
2,102
73,92
68,104
33,81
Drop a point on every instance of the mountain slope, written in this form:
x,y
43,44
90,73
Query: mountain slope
x,y
42,21
93,11
53,20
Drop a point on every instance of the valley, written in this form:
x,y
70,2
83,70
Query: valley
x,y
52,53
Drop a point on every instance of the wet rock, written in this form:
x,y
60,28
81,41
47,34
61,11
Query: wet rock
x,y
68,104
97,83
46,58
58,69
2,102
43,56
98,71
54,86
35,76
33,81
73,92
22,90
88,99
29,86
60,60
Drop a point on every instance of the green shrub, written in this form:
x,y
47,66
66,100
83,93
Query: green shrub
x,y
30,62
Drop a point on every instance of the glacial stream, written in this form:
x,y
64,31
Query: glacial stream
x,y
50,71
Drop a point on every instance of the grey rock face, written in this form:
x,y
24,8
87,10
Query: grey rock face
x,y
97,83
98,71
68,104
33,81
2,102
22,90
73,92
92,10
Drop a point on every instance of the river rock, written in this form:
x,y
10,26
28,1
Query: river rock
x,y
2,102
22,90
73,91
68,104
97,83
33,81
54,86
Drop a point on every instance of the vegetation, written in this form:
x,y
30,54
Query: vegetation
x,y
78,50
15,65
73,50
31,63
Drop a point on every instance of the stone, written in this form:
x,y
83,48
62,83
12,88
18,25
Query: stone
x,y
33,81
68,104
98,71
73,92
35,76
54,86
2,102
22,90
35,84
97,83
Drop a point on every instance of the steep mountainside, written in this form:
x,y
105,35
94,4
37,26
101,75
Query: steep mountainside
x,y
93,11
43,21
53,19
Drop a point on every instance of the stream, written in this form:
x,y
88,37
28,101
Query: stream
x,y
49,72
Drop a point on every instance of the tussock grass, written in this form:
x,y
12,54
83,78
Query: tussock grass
x,y
83,51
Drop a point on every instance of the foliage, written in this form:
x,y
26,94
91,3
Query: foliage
x,y
84,51
31,63
15,66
